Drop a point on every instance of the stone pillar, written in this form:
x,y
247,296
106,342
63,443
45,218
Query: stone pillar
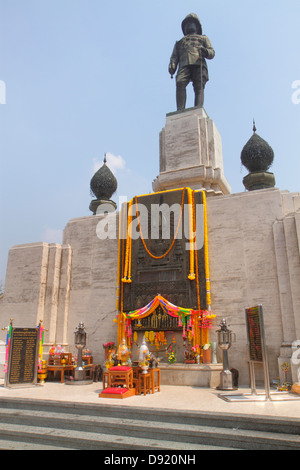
x,y
287,249
37,289
191,154
56,309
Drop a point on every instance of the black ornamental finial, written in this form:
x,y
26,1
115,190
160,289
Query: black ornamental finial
x,y
103,185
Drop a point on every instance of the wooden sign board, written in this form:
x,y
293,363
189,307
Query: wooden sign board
x,y
254,322
257,346
23,357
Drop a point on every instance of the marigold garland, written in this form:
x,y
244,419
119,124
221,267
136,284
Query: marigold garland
x,y
127,269
192,275
208,296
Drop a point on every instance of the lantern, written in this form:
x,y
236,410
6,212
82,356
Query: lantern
x,y
80,343
225,339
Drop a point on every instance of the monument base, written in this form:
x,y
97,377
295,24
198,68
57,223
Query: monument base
x,y
78,382
191,152
100,206
197,375
226,381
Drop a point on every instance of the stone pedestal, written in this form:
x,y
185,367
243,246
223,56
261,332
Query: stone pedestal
x,y
100,206
191,154
197,375
259,180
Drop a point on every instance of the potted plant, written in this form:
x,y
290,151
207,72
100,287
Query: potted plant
x,y
189,355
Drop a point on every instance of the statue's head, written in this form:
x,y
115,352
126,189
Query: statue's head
x,y
191,24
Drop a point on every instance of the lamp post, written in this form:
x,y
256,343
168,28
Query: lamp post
x,y
225,339
80,375
80,343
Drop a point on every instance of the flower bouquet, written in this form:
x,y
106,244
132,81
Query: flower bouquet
x,y
109,351
171,354
144,363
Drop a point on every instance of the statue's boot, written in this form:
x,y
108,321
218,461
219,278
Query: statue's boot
x,y
199,98
180,98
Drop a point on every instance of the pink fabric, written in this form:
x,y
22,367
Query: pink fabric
x,y
121,368
115,390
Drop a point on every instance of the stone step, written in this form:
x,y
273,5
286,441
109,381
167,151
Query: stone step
x,y
17,436
14,445
224,420
89,430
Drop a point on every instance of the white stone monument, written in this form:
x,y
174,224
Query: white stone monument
x,y
191,154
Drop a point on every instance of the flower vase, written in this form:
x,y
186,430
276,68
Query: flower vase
x,y
206,356
42,372
214,353
144,368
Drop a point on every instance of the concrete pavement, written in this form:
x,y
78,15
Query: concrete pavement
x,y
169,398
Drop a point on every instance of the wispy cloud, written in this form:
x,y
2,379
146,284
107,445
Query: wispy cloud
x,y
52,235
113,162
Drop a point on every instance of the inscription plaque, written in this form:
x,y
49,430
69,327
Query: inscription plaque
x,y
257,346
254,328
165,275
23,357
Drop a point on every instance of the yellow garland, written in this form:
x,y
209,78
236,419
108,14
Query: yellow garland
x,y
121,321
197,330
208,297
151,336
205,331
191,276
127,269
121,227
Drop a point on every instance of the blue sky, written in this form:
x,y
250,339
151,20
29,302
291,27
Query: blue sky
x,y
87,77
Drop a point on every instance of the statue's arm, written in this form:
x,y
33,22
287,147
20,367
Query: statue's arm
x,y
174,60
209,52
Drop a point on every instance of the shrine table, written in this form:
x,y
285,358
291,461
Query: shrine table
x,y
145,384
120,375
62,370
155,379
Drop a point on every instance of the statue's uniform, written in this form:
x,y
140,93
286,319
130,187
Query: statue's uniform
x,y
190,54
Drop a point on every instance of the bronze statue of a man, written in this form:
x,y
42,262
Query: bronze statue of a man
x,y
190,54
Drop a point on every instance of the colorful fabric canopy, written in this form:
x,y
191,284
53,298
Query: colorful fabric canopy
x,y
167,306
